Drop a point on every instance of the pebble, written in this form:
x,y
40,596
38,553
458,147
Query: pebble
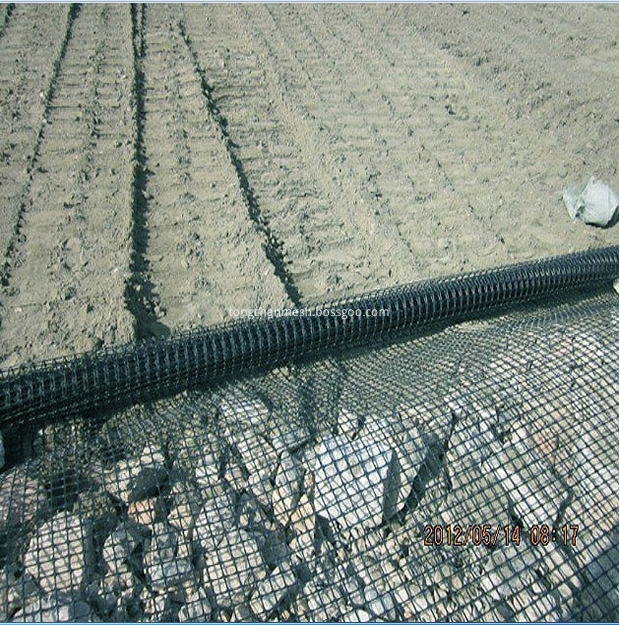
x,y
257,454
240,412
156,607
251,515
101,596
59,553
428,419
274,547
138,478
145,512
324,604
356,482
287,488
596,483
272,590
236,477
16,591
353,591
470,446
234,568
214,521
302,549
291,441
356,616
120,546
182,518
348,424
303,518
207,472
383,607
535,607
56,606
166,575
409,447
534,491
242,614
22,498
261,487
162,545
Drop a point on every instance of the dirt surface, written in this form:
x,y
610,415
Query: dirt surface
x,y
161,165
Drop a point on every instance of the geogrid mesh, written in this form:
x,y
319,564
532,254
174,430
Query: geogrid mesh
x,y
470,474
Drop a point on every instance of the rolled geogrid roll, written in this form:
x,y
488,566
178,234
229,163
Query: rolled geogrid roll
x,y
160,367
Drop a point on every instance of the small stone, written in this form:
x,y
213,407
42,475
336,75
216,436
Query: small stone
x,y
534,608
356,482
162,546
170,574
145,512
353,591
196,609
22,498
272,590
471,445
257,454
274,547
120,546
409,447
234,568
562,573
261,487
251,515
207,473
291,441
16,591
138,478
214,521
102,597
303,519
536,494
156,607
429,419
56,606
302,549
348,424
236,477
324,603
596,480
240,412
182,518
356,616
59,553
287,488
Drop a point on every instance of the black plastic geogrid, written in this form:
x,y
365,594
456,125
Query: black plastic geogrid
x,y
469,473
159,367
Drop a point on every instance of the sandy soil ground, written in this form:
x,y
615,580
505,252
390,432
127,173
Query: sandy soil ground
x,y
161,165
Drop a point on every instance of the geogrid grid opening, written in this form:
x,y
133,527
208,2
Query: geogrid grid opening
x,y
466,474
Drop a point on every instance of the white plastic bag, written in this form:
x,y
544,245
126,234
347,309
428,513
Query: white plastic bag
x,y
593,202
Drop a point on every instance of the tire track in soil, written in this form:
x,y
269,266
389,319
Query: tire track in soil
x,y
204,254
272,245
139,295
498,147
310,200
67,285
31,59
